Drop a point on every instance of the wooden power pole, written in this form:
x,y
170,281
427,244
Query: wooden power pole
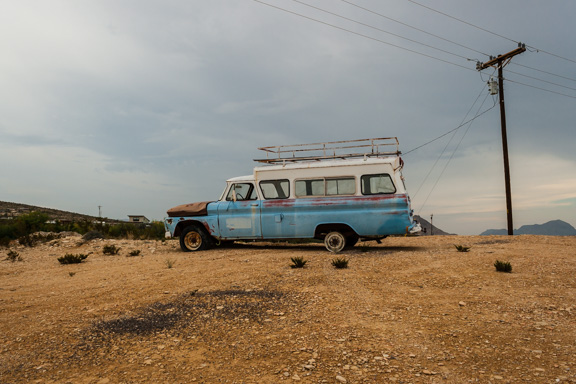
x,y
500,62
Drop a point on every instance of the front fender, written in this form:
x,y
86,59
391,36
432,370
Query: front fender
x,y
175,225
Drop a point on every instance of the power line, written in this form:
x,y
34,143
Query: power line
x,y
549,53
445,147
415,28
462,21
454,152
488,31
365,36
406,49
382,30
450,131
546,72
542,89
452,42
544,81
460,45
398,46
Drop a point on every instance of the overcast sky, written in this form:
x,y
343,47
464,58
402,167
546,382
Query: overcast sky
x,y
138,106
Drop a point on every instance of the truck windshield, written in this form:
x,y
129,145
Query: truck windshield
x,y
243,191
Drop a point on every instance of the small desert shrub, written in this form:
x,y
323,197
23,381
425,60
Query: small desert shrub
x,y
31,240
298,262
27,241
135,252
45,237
462,248
91,235
13,256
70,258
503,266
4,241
365,247
110,249
340,263
71,274
170,263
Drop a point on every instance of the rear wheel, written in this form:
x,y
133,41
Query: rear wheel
x,y
194,238
335,242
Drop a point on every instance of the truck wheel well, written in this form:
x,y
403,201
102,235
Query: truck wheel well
x,y
323,229
183,224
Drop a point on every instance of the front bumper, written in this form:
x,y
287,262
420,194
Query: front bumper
x,y
416,228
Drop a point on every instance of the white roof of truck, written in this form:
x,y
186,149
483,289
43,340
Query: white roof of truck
x,y
239,179
392,160
331,167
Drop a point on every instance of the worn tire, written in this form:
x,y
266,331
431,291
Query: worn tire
x,y
335,241
351,241
194,238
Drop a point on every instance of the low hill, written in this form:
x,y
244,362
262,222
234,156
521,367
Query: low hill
x,y
551,228
428,229
13,210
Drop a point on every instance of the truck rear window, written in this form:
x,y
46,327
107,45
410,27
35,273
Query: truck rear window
x,y
377,184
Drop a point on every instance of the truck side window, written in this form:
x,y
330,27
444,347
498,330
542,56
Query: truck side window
x,y
377,184
325,187
275,189
341,186
313,187
244,191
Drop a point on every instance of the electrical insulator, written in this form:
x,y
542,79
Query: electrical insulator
x,y
493,86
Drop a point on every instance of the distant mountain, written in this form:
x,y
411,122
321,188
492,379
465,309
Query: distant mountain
x,y
430,230
551,228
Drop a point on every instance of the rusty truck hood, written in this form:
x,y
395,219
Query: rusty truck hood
x,y
192,209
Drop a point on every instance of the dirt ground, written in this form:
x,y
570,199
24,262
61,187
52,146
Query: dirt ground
x,y
411,310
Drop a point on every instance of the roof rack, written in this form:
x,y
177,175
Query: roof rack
x,y
377,147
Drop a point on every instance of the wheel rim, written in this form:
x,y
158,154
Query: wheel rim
x,y
335,242
193,240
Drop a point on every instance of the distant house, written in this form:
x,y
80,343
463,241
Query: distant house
x,y
137,219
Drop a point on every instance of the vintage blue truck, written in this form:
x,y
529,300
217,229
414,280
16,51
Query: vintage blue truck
x,y
336,192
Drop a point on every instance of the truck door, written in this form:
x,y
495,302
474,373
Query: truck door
x,y
239,214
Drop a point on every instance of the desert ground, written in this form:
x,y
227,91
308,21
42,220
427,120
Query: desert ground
x,y
409,310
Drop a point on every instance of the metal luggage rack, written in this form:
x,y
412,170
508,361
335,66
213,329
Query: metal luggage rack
x,y
377,147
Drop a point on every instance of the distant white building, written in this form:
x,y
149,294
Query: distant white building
x,y
137,219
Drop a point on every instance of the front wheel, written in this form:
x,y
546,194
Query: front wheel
x,y
335,242
194,238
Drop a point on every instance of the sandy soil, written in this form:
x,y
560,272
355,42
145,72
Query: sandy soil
x,y
411,310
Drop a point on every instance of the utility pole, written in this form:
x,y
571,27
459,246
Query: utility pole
x,y
500,62
431,224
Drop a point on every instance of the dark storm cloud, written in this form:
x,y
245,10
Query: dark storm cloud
x,y
170,98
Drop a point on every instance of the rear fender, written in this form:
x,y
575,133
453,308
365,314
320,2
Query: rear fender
x,y
323,229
